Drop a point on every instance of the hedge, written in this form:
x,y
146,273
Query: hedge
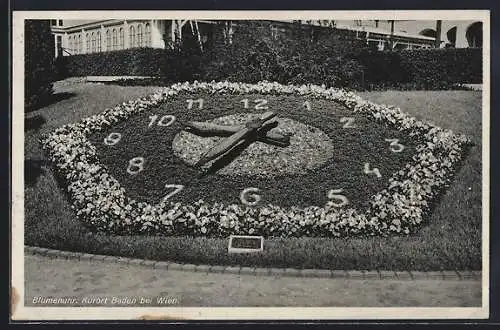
x,y
424,68
333,59
453,65
39,65
128,62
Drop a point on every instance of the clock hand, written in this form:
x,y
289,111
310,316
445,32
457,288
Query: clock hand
x,y
228,143
210,129
215,129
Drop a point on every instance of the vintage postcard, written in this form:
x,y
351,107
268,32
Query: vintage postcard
x,y
250,165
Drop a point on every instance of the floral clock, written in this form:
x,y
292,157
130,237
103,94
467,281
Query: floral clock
x,y
216,159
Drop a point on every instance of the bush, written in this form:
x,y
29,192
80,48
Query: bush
x,y
301,55
127,62
178,64
423,68
39,63
443,66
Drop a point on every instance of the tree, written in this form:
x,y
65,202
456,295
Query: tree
x,y
38,63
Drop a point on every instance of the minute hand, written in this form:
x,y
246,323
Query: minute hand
x,y
229,142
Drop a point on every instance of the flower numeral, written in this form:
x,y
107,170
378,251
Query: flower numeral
x,y
395,145
250,196
135,165
336,198
368,170
164,121
349,122
260,104
112,139
177,188
190,103
307,105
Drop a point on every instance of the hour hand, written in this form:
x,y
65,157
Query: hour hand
x,y
210,129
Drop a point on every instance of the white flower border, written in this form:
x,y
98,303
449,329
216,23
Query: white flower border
x,y
101,202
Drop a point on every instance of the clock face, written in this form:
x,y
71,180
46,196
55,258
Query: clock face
x,y
216,159
154,154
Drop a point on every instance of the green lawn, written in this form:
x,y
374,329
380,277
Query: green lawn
x,y
451,239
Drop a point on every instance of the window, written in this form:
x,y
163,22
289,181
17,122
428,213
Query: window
x,y
132,37
147,39
87,43
60,22
99,46
53,22
115,39
79,48
139,35
121,36
228,32
93,42
108,40
59,46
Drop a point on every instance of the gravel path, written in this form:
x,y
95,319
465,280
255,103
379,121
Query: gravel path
x,y
98,283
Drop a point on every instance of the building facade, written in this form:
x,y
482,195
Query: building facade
x,y
108,35
447,33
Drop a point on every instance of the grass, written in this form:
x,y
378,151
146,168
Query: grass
x,y
450,240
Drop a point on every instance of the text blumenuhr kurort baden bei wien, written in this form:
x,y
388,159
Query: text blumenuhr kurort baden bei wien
x,y
105,301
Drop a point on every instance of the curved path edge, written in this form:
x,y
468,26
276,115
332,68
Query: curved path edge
x,y
240,270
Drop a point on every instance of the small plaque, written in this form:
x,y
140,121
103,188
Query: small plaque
x,y
245,244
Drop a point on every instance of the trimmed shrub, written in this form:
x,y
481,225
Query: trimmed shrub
x,y
39,63
441,68
127,62
179,64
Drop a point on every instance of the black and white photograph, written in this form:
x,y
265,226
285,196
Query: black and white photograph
x,y
250,165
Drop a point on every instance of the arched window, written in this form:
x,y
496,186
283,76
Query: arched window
x,y
474,35
87,43
428,33
108,40
122,39
99,41
115,39
147,39
92,40
139,35
79,47
132,36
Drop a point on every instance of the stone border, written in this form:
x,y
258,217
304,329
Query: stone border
x,y
241,270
